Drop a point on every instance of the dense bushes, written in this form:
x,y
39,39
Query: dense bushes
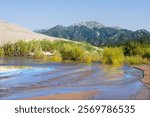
x,y
1,52
134,60
9,49
72,52
47,45
87,58
113,56
38,54
133,49
21,48
135,53
62,50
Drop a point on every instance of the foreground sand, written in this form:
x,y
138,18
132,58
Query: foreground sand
x,y
146,75
87,95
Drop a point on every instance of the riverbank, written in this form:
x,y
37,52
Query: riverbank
x,y
146,74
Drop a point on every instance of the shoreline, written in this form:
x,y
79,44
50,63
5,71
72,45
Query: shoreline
x,y
146,73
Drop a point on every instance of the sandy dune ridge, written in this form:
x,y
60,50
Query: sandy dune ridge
x,y
12,33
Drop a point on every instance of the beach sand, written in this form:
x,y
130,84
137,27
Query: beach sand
x,y
146,74
87,95
145,93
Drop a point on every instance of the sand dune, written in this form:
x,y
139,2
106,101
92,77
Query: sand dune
x,y
12,33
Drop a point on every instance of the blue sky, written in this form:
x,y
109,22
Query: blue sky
x,y
39,14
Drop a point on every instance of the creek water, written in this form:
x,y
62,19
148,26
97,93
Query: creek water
x,y
22,77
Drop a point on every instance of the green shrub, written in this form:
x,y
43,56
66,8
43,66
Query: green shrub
x,y
38,53
34,45
135,60
9,49
129,49
71,52
146,53
56,58
46,45
113,56
133,49
1,52
96,56
22,48
87,57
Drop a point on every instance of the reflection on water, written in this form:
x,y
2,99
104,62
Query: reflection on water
x,y
11,70
31,78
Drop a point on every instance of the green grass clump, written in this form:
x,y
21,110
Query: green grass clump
x,y
113,56
1,52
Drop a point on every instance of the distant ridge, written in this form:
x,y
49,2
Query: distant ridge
x,y
90,24
96,33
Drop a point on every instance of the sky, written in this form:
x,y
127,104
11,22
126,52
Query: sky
x,y
44,14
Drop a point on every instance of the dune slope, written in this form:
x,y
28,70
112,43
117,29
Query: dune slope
x,y
12,33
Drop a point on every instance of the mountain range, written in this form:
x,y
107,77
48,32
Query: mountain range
x,y
96,33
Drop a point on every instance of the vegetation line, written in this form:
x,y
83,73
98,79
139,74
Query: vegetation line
x,y
58,51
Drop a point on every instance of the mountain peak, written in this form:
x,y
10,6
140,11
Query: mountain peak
x,y
59,25
90,24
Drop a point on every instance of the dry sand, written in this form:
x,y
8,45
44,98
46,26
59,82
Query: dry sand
x,y
12,33
67,96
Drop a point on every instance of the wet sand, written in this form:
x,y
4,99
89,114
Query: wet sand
x,y
68,96
146,74
145,93
146,80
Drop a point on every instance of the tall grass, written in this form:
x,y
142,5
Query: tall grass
x,y
137,53
22,48
113,56
72,52
38,53
1,52
9,49
63,50
135,60
56,57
